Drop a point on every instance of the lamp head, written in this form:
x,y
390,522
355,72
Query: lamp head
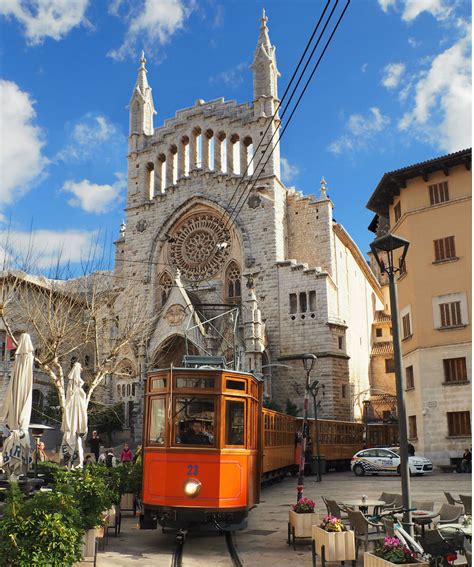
x,y
383,248
309,360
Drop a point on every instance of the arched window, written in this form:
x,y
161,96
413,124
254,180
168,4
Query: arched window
x,y
165,283
233,283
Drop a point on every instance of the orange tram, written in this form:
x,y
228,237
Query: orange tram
x,y
208,444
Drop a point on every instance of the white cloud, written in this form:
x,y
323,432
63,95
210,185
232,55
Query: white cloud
x,y
411,9
93,135
46,18
40,249
359,131
392,74
94,198
21,160
386,4
413,42
232,77
364,67
149,22
288,171
442,108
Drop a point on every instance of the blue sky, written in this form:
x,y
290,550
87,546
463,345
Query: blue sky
x,y
393,89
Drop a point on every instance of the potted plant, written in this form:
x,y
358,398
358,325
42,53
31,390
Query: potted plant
x,y
301,518
93,495
332,541
42,530
391,551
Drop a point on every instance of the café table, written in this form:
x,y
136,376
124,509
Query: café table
x,y
421,518
466,530
363,504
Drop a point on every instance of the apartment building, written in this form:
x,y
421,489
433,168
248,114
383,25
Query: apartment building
x,y
429,204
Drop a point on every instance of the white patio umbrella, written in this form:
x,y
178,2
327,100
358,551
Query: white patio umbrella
x,y
74,422
16,409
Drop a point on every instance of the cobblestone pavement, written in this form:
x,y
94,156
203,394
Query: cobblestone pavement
x,y
263,543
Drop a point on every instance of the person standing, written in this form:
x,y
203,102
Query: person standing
x,y
94,444
411,450
126,456
39,454
466,463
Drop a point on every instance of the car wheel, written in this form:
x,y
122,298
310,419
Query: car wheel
x,y
359,470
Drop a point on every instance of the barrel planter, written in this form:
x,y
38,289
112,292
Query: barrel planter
x,y
371,560
338,546
299,525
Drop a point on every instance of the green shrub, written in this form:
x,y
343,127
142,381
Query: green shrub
x,y
91,490
42,531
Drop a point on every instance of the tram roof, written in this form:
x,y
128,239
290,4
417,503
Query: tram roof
x,y
207,369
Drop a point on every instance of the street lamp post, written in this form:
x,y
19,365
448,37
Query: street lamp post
x,y
383,249
308,362
314,389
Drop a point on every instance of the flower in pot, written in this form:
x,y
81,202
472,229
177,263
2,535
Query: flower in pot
x,y
332,524
393,550
304,506
332,540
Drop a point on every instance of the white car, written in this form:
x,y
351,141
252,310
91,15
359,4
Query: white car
x,y
387,460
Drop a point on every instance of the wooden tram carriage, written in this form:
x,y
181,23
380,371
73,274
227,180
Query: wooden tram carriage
x,y
217,480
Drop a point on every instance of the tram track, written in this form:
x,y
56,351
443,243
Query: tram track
x,y
178,560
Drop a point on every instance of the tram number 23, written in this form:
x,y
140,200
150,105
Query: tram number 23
x,y
193,470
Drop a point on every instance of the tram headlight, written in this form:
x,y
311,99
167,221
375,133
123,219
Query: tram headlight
x,y
192,487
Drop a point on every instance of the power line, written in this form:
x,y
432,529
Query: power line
x,y
278,105
297,103
288,103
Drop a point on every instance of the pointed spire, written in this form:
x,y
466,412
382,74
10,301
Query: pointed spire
x,y
142,81
265,72
323,188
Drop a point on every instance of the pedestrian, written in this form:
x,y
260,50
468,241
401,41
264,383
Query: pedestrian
x,y
88,461
126,456
466,463
101,459
110,459
411,450
94,444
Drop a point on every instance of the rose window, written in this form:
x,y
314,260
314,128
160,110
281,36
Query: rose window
x,y
200,248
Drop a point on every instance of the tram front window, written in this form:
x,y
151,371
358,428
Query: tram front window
x,y
235,421
194,421
156,435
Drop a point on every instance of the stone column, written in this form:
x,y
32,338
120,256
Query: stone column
x,y
244,155
193,151
218,154
182,158
158,176
206,142
230,156
169,168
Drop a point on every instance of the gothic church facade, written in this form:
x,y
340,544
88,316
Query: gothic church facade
x,y
291,277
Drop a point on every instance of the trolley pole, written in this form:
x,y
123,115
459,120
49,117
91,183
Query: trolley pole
x,y
308,361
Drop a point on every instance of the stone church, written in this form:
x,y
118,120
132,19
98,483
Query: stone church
x,y
232,262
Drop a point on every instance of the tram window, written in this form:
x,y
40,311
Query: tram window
x,y
195,382
235,385
235,423
158,383
157,422
194,420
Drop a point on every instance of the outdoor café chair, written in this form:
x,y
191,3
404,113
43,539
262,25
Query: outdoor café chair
x,y
449,514
388,498
335,510
451,500
420,505
398,503
362,530
467,503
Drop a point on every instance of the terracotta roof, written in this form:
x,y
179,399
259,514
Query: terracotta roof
x,y
382,348
392,181
382,317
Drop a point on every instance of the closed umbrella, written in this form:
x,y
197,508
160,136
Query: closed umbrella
x,y
16,409
74,423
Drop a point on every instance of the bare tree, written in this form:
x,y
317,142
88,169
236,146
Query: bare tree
x,y
88,318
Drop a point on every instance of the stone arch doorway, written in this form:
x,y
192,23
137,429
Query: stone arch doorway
x,y
172,351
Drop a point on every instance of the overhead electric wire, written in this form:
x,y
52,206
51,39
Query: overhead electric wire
x,y
293,111
281,102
